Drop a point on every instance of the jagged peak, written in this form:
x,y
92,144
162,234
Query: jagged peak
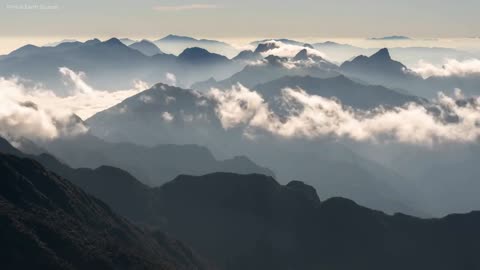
x,y
382,54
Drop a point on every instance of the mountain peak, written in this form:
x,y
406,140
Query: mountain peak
x,y
172,37
146,47
382,54
265,47
114,42
301,55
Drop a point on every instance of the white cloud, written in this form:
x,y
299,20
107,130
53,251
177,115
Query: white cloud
x,y
84,101
38,113
19,117
146,99
451,67
171,78
287,50
168,117
185,7
310,116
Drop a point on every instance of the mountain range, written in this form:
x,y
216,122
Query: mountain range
x,y
234,221
102,60
47,222
176,44
192,119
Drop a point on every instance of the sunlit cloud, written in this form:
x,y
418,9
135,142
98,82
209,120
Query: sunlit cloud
x,y
310,117
451,67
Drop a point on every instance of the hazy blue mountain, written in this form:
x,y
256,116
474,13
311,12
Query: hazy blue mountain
x,y
199,56
53,44
127,41
102,61
146,47
381,69
151,165
283,40
348,92
192,119
390,38
274,67
47,222
381,63
176,44
248,56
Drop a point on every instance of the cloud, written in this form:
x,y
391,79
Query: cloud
x,y
310,116
20,117
288,50
38,113
171,78
168,117
83,101
451,67
185,7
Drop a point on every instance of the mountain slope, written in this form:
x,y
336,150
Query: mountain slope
x,y
152,165
176,44
146,47
252,222
272,68
46,222
348,92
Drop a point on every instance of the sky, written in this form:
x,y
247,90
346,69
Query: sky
x,y
246,18
22,21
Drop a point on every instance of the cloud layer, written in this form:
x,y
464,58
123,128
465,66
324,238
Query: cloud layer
x,y
451,67
310,116
38,113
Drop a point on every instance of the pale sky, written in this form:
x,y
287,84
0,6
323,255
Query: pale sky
x,y
245,18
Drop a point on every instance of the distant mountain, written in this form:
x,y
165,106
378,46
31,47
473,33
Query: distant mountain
x,y
127,41
247,56
146,47
283,40
153,166
53,44
49,223
176,44
379,67
390,38
274,67
348,92
166,115
102,61
199,56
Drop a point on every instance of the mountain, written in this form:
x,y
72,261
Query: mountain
x,y
273,67
180,116
348,92
377,68
390,38
47,222
381,69
101,61
155,165
282,40
146,47
127,41
240,222
252,222
247,56
176,44
199,56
